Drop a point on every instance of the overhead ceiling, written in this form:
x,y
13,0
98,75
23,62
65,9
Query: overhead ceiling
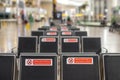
x,y
69,2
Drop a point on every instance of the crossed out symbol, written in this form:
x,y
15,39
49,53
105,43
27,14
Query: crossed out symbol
x,y
70,60
29,61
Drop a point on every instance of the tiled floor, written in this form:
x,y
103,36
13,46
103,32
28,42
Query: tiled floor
x,y
10,31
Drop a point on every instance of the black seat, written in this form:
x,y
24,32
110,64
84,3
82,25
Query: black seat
x,y
111,66
7,66
38,66
51,33
70,44
91,44
66,33
80,33
37,34
80,66
27,44
48,44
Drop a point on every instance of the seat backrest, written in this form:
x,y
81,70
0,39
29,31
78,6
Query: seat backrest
x,y
43,28
80,67
38,66
64,28
37,34
75,29
91,44
27,44
80,33
7,66
70,44
51,33
111,66
53,29
66,33
48,44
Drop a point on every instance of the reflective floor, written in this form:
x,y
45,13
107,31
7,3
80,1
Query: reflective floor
x,y
10,31
109,40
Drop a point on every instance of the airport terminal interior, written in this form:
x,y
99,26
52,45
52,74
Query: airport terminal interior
x,y
83,13
77,39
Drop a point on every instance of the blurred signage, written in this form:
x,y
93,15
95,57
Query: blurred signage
x,y
48,40
80,60
38,62
70,40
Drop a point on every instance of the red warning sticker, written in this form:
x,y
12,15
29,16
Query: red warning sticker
x,y
38,62
53,29
48,40
70,40
64,29
51,33
66,33
80,60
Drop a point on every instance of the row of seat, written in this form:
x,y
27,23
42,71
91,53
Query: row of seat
x,y
54,40
79,66
54,44
58,28
58,33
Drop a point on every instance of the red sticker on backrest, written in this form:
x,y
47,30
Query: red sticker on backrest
x,y
38,62
53,29
80,60
48,40
71,40
66,33
52,33
64,29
